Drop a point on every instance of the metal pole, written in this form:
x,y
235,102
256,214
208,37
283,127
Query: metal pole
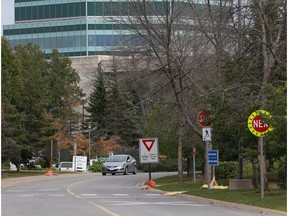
x,y
261,167
194,168
150,171
75,149
89,149
51,153
208,177
59,157
89,145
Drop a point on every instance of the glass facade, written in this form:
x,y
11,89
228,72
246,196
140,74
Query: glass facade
x,y
65,25
77,27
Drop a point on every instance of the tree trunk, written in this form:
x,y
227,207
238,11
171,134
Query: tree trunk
x,y
18,166
189,168
180,147
255,174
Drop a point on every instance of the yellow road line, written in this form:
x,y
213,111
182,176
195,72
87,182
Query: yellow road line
x,y
94,204
104,209
73,194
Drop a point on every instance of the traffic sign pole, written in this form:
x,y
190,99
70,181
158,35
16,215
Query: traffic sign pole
x,y
260,128
261,167
194,153
206,133
208,177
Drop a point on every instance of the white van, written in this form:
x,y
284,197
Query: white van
x,y
66,166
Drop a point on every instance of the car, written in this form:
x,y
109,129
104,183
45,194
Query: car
x,y
119,164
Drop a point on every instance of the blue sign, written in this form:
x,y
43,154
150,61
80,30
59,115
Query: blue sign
x,y
213,158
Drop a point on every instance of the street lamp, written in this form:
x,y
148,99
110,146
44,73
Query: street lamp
x,y
89,126
83,101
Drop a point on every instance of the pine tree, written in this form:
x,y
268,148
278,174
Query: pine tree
x,y
119,115
97,104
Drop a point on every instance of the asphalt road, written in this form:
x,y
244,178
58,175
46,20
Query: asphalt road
x,y
94,194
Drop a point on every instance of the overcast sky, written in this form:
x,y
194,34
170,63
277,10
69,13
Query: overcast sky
x,y
7,12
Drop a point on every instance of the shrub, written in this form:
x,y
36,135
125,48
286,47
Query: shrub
x,y
226,170
282,179
162,166
96,166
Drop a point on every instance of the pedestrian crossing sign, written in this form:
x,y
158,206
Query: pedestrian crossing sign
x,y
206,133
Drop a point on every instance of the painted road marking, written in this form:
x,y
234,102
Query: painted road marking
x,y
158,203
57,195
27,195
104,209
89,195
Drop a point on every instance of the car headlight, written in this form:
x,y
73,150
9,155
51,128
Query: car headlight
x,y
121,166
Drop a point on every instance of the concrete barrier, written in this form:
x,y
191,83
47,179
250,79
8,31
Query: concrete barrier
x,y
240,184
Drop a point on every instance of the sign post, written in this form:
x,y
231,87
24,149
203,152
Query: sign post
x,y
203,119
213,160
259,127
149,152
207,137
194,154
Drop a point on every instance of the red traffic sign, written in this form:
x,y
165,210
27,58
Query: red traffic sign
x,y
203,117
148,143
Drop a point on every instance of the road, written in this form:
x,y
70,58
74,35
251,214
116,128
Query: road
x,y
94,194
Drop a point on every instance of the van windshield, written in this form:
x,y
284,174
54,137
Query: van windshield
x,y
66,164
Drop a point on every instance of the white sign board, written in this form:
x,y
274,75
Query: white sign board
x,y
148,148
81,163
206,133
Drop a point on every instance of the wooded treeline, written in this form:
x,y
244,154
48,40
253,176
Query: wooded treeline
x,y
223,56
227,57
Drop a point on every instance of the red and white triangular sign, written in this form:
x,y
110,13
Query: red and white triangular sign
x,y
148,144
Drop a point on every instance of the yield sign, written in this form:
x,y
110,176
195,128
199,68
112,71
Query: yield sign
x,y
148,143
148,150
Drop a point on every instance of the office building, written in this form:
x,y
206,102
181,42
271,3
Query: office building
x,y
77,27
74,27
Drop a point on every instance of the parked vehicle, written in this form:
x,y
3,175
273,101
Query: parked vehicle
x,y
119,164
66,166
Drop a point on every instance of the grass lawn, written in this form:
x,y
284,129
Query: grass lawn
x,y
24,173
273,199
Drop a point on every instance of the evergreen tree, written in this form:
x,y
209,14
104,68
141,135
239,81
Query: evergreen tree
x,y
62,81
36,95
120,118
97,104
11,118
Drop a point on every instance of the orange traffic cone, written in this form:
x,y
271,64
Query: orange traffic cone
x,y
151,183
50,173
